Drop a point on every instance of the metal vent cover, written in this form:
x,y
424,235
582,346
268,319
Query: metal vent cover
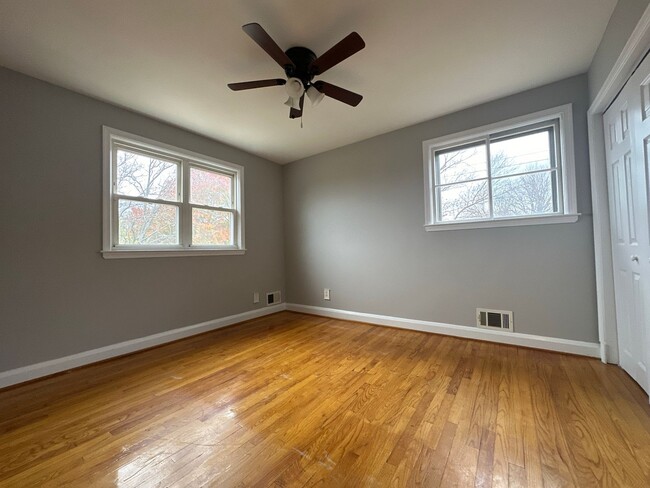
x,y
494,319
273,297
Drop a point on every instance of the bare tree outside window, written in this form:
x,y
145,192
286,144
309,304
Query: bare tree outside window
x,y
463,172
154,223
521,178
145,223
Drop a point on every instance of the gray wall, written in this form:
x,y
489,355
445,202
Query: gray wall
x,y
624,19
354,223
57,295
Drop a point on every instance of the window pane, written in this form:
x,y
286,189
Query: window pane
x,y
146,176
462,164
211,227
147,224
210,188
521,154
531,194
464,201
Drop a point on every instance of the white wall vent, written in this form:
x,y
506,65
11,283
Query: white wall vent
x,y
273,298
494,319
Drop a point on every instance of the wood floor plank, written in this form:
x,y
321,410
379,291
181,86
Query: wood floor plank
x,y
299,400
557,467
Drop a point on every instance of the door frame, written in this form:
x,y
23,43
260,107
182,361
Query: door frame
x,y
630,56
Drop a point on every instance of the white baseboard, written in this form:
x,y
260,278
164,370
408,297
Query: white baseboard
x,y
591,349
33,371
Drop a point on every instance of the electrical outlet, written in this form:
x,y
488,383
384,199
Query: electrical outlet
x,y
256,297
326,293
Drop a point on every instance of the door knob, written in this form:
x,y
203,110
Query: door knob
x,y
634,258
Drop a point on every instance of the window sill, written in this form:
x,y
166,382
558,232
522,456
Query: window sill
x,y
148,253
510,222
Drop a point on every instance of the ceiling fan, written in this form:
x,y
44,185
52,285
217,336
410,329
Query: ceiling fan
x,y
300,66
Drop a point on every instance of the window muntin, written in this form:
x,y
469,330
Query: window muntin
x,y
511,170
161,200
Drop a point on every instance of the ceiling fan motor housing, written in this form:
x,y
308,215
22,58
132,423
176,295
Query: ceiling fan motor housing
x,y
300,66
302,58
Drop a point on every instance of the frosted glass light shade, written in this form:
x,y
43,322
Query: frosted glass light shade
x,y
314,95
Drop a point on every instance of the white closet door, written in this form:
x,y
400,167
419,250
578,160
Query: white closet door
x,y
627,127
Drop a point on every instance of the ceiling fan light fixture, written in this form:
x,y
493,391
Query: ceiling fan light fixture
x,y
315,97
293,103
294,88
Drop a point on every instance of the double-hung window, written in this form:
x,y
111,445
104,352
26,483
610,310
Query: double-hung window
x,y
517,172
160,200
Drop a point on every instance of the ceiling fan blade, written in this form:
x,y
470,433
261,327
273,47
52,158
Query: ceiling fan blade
x,y
260,36
340,94
247,85
296,114
343,50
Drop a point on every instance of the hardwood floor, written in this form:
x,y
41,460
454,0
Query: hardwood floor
x,y
298,400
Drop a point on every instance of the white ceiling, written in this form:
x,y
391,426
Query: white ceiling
x,y
172,59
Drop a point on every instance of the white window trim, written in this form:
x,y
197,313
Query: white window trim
x,y
110,136
565,115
